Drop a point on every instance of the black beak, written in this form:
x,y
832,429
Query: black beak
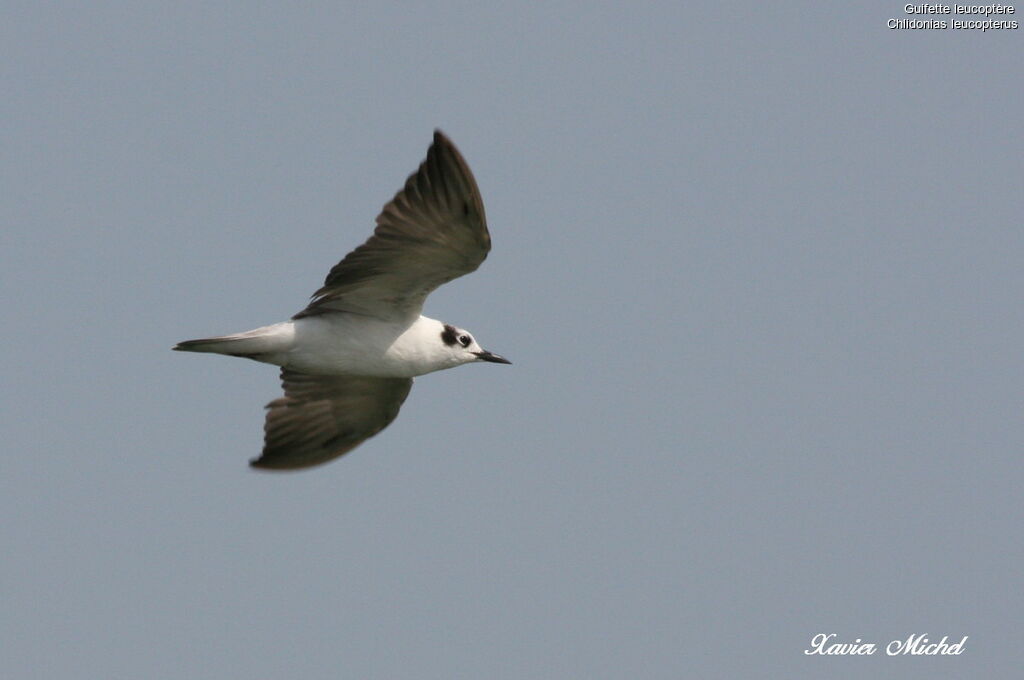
x,y
493,358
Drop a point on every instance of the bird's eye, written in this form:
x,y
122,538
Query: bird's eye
x,y
464,340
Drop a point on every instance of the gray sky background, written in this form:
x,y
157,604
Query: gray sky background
x,y
758,267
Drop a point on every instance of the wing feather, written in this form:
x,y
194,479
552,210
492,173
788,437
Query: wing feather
x,y
321,417
433,230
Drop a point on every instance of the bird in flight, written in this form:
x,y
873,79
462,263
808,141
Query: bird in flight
x,y
348,359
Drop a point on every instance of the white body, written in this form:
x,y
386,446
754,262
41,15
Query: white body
x,y
348,344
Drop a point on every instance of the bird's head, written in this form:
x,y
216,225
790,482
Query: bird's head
x,y
463,349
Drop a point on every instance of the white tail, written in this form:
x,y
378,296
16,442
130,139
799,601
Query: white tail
x,y
260,341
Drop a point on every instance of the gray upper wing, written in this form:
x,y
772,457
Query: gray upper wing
x,y
321,417
432,231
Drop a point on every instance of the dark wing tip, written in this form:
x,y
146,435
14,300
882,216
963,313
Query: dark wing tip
x,y
443,144
265,465
278,462
447,160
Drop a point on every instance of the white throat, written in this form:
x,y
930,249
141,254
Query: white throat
x,y
421,350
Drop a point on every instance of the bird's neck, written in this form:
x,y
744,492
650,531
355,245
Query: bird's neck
x,y
419,347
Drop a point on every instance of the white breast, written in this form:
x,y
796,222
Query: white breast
x,y
345,344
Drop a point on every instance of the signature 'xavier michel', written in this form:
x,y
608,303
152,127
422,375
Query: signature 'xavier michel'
x,y
348,359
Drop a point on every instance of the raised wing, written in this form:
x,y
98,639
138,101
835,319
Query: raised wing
x,y
432,231
321,417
